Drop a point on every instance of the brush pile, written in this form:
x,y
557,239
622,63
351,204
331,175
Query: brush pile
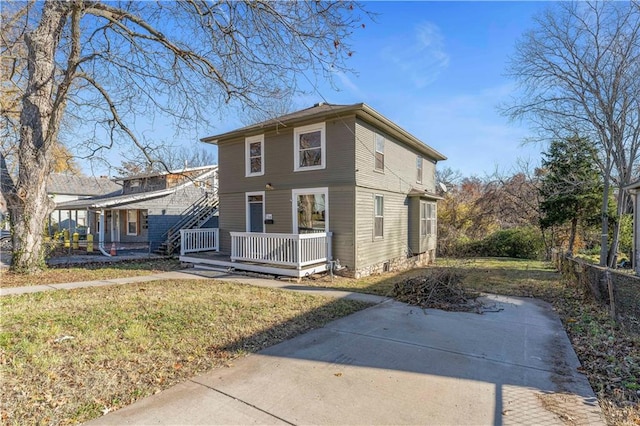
x,y
439,289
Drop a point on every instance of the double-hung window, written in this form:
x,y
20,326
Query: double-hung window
x,y
418,169
427,218
379,154
309,144
378,216
132,222
254,155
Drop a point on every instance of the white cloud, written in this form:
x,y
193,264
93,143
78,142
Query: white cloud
x,y
420,55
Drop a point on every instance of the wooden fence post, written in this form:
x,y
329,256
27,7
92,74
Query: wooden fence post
x,y
612,302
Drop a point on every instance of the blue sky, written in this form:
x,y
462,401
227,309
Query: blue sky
x,y
438,70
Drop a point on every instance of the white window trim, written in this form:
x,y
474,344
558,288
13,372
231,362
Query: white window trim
x,y
378,237
247,155
375,151
248,211
323,146
136,222
308,191
428,219
421,160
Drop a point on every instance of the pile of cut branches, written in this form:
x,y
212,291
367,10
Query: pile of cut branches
x,y
439,289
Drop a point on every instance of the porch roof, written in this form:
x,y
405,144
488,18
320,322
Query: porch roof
x,y
117,200
423,194
633,187
121,200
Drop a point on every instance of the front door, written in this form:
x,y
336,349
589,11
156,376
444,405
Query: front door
x,y
255,212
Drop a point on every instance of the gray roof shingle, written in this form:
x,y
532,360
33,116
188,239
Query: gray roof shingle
x,y
69,184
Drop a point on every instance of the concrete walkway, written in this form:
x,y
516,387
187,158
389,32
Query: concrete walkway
x,y
394,364
198,274
389,364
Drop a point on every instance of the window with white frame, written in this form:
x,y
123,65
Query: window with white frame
x,y
254,155
132,222
419,169
379,154
309,147
310,210
378,216
427,218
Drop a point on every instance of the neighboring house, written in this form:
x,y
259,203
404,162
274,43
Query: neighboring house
x,y
62,187
340,181
634,190
150,209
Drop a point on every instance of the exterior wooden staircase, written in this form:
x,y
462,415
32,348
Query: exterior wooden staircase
x,y
194,217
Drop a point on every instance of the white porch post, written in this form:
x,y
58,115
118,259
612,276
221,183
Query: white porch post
x,y
101,234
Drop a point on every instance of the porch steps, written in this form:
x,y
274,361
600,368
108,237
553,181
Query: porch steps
x,y
260,268
194,217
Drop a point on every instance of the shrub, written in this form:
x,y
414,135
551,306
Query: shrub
x,y
524,243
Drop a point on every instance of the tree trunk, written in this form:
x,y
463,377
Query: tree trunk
x,y
613,250
604,238
572,235
39,128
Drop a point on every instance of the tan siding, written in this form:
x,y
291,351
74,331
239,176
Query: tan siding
x,y
341,223
232,218
278,162
278,204
399,160
395,241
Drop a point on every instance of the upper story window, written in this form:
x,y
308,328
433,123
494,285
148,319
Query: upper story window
x,y
254,155
309,147
419,169
379,154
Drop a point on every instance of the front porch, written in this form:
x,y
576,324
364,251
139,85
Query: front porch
x,y
293,255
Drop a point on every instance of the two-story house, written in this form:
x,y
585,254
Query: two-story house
x,y
344,171
150,209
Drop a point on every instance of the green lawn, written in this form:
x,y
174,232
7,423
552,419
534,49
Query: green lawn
x,y
88,272
69,356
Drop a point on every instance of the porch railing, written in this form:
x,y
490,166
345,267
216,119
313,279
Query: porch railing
x,y
297,250
202,239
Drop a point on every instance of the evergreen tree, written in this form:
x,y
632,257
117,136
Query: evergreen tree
x,y
571,185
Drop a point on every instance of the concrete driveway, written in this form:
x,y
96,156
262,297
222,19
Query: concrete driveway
x,y
395,364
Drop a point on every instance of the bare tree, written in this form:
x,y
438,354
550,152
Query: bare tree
x,y
108,64
579,71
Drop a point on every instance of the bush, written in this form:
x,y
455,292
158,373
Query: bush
x,y
523,243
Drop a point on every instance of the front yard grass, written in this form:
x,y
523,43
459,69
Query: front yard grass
x,y
70,356
511,277
88,272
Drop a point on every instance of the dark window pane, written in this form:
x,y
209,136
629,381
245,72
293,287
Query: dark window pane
x,y
311,157
310,140
379,161
311,213
256,165
255,149
378,227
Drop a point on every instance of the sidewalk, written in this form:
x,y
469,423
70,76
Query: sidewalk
x,y
198,274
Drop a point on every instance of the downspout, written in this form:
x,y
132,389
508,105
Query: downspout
x,y
101,235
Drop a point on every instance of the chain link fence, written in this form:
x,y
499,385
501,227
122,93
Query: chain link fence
x,y
620,291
